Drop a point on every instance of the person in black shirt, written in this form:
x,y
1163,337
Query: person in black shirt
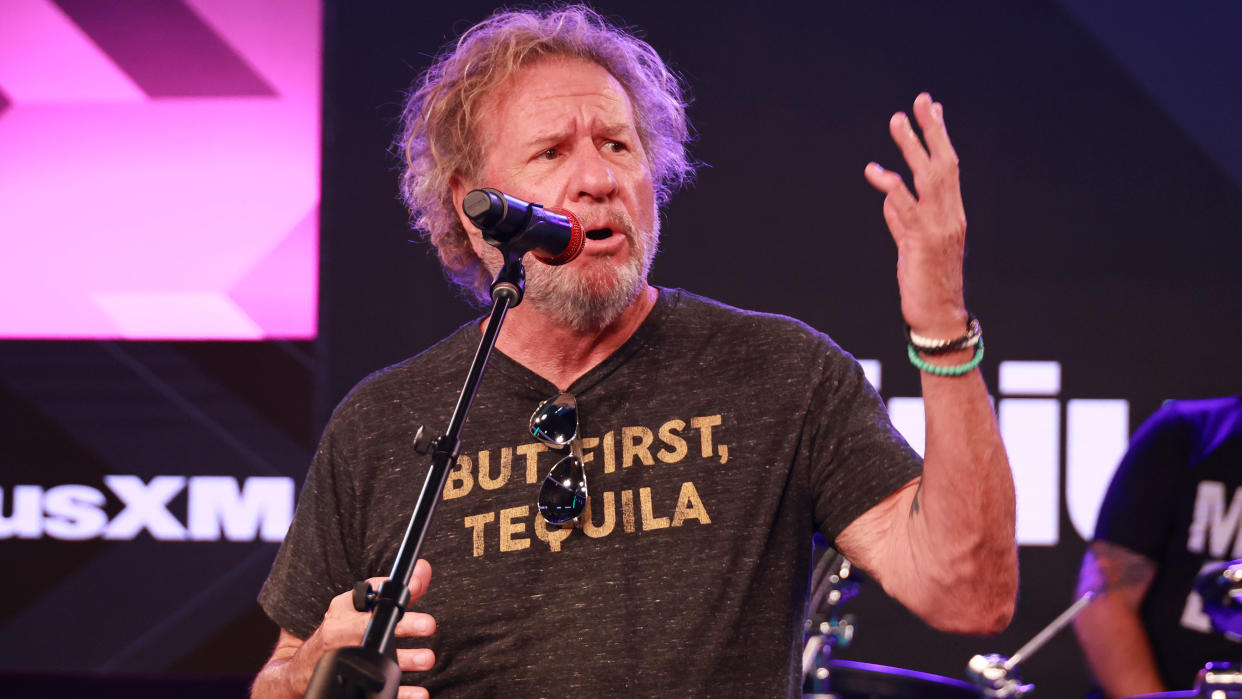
x,y
1174,507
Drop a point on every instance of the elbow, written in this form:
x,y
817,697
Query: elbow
x,y
995,597
982,599
999,598
994,617
977,618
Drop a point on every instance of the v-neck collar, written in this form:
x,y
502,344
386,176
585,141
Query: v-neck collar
x,y
644,335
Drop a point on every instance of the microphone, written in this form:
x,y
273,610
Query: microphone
x,y
554,236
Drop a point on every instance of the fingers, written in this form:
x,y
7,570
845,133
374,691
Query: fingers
x,y
899,202
912,150
344,626
420,580
415,659
412,693
930,116
937,162
934,167
416,624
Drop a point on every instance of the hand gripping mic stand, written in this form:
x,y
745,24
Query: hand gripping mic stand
x,y
370,671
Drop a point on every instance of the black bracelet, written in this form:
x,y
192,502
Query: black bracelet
x,y
974,332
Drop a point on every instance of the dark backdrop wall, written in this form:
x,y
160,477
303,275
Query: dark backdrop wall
x,y
1101,169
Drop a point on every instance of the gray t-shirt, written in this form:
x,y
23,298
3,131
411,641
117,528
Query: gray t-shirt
x,y
717,442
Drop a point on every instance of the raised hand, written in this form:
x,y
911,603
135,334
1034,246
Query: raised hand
x,y
929,225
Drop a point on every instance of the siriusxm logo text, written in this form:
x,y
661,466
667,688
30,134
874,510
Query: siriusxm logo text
x,y
216,508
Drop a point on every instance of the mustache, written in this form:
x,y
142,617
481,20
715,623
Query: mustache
x,y
616,220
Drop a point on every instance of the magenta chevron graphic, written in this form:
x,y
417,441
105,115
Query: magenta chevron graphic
x,y
165,48
160,169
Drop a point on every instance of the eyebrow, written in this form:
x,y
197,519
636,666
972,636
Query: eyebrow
x,y
610,130
547,137
617,129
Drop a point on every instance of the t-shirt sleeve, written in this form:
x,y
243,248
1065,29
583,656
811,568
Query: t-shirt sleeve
x,y
312,566
857,457
1136,511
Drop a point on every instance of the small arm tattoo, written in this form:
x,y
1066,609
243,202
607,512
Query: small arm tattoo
x,y
1117,569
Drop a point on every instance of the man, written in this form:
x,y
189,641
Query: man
x,y
1170,511
717,441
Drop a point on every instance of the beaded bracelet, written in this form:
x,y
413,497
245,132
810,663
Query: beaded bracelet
x,y
920,364
974,333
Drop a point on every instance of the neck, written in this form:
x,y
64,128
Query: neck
x,y
561,354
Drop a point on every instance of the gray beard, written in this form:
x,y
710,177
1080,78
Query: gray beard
x,y
588,298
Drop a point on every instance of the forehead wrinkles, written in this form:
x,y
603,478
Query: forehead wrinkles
x,y
527,97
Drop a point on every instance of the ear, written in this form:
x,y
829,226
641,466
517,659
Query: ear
x,y
460,189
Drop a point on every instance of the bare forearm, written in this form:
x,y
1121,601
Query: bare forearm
x,y
273,681
281,677
287,673
961,525
1110,629
1117,648
944,545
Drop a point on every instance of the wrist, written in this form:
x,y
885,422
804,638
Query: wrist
x,y
950,358
297,675
944,324
276,681
952,355
292,675
933,345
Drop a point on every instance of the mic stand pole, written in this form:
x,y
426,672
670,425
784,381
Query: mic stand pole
x,y
370,671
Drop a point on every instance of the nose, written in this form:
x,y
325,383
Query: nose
x,y
592,178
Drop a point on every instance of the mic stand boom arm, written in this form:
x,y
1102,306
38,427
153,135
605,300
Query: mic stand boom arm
x,y
370,671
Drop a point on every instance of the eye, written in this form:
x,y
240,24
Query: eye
x,y
615,147
549,154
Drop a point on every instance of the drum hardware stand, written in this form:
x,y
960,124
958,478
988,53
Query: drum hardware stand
x,y
1221,589
830,582
1219,681
831,587
833,584
997,675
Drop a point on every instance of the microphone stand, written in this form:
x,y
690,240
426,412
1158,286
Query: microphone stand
x,y
370,671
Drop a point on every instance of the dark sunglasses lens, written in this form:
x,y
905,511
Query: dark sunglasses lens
x,y
564,493
556,419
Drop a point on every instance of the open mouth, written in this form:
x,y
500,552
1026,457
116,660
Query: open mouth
x,y
599,234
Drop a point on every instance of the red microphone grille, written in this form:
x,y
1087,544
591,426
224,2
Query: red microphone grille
x,y
577,239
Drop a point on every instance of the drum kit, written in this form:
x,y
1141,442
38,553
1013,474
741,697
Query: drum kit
x,y
991,676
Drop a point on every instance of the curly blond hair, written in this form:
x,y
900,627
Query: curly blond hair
x,y
443,110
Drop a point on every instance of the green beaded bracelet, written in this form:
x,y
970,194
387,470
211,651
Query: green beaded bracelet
x,y
958,370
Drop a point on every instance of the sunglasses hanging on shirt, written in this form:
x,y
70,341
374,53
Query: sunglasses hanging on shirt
x,y
563,495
